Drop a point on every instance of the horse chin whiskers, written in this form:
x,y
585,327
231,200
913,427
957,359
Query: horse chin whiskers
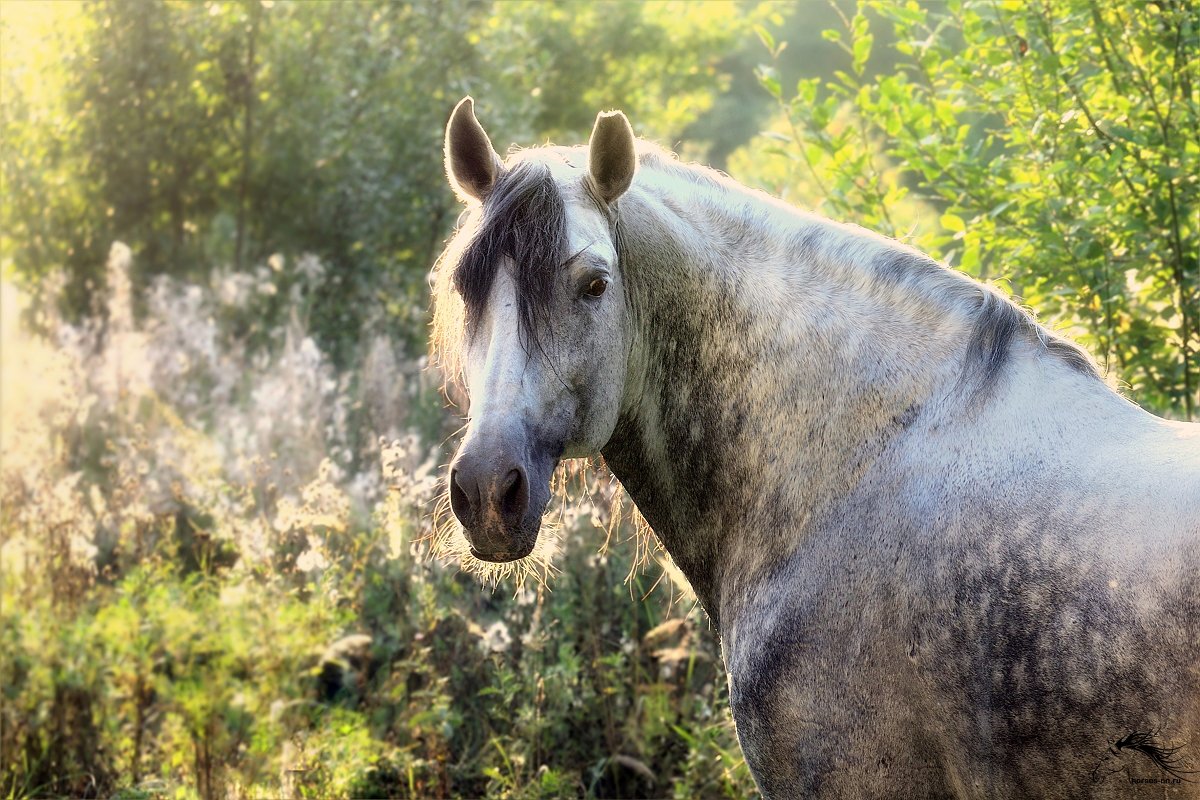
x,y
536,566
495,558
450,546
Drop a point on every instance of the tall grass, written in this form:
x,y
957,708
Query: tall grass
x,y
216,552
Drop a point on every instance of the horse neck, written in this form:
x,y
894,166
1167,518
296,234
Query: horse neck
x,y
771,368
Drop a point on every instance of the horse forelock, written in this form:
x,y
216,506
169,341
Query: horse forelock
x,y
523,221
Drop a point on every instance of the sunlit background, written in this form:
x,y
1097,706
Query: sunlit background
x,y
222,443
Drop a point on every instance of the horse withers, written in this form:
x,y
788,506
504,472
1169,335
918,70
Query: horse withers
x,y
943,557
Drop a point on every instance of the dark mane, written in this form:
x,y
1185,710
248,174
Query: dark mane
x,y
998,322
524,219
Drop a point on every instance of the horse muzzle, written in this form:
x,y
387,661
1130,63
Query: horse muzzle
x,y
499,488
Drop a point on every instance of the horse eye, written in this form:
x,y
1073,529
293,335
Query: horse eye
x,y
596,287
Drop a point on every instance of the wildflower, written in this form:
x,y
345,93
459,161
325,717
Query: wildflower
x,y
120,288
312,559
310,268
496,639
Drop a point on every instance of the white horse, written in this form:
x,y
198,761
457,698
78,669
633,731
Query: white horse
x,y
944,559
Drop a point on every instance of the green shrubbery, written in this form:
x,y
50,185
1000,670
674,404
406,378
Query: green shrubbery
x,y
1055,145
194,605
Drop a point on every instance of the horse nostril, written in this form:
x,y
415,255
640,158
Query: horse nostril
x,y
460,500
513,497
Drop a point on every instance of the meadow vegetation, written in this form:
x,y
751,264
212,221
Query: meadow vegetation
x,y
223,446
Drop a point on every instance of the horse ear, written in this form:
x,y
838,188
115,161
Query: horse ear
x,y
611,157
471,163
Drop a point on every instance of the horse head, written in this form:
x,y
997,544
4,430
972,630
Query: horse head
x,y
532,316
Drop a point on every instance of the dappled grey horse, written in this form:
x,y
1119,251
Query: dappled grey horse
x,y
943,557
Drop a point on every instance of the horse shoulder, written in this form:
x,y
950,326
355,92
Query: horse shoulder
x,y
822,695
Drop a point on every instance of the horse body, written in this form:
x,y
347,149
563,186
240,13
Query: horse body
x,y
974,589
999,634
943,558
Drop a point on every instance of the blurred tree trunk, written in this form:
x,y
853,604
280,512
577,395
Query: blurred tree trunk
x,y
248,87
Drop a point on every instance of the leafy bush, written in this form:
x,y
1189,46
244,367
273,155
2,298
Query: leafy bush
x,y
312,127
193,605
1055,144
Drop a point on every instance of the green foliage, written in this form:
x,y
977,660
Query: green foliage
x,y
659,62
140,690
1056,144
218,133
204,595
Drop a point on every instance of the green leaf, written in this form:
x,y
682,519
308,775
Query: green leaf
x,y
970,259
767,78
806,90
766,38
953,222
859,25
906,16
862,52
